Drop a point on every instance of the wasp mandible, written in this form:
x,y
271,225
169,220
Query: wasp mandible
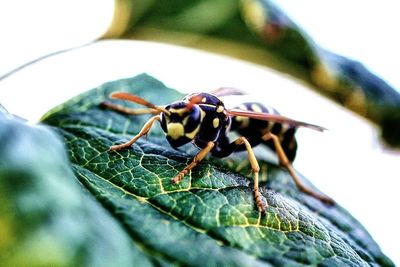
x,y
203,119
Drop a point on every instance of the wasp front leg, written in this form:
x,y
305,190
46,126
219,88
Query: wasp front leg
x,y
228,149
143,131
199,157
283,160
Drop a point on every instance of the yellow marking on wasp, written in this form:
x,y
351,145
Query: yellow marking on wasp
x,y
284,129
179,111
240,119
175,130
243,121
215,122
242,107
202,114
185,120
256,108
193,134
204,100
270,125
220,109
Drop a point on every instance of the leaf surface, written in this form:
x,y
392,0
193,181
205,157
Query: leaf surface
x,y
210,218
46,217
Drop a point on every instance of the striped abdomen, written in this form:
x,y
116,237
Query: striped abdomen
x,y
254,129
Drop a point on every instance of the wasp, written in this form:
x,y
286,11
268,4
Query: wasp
x,y
203,119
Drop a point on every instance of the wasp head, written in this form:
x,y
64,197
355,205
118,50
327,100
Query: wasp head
x,y
182,124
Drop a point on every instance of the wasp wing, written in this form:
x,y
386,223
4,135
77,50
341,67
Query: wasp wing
x,y
225,91
274,118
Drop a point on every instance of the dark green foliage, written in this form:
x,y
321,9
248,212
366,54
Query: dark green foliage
x,y
46,217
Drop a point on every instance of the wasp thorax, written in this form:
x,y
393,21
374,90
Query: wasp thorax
x,y
181,125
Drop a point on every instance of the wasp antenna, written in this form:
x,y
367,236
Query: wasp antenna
x,y
138,100
193,101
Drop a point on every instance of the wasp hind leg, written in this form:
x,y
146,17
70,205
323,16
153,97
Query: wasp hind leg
x,y
228,149
283,160
145,129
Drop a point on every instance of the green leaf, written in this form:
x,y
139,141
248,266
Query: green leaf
x,y
260,31
46,219
210,218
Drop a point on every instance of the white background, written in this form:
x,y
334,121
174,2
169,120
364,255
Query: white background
x,y
347,162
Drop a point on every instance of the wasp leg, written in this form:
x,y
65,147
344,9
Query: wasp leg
x,y
256,169
199,157
229,148
130,111
145,129
283,160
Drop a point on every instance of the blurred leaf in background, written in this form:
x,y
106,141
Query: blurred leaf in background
x,y
259,31
46,219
